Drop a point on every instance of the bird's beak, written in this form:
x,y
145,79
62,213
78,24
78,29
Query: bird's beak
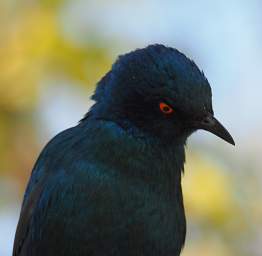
x,y
211,124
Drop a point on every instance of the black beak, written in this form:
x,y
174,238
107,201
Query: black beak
x,y
211,124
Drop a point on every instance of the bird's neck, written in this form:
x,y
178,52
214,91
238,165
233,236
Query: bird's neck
x,y
161,164
143,158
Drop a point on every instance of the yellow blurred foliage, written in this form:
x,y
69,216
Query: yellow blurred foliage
x,y
27,40
32,46
207,191
208,247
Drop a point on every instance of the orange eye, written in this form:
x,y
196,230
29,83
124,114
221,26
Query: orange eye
x,y
166,109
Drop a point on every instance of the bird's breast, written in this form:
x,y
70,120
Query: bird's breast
x,y
153,220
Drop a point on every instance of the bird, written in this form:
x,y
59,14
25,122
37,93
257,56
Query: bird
x,y
111,185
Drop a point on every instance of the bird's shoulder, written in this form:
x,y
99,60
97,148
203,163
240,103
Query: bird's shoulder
x,y
77,147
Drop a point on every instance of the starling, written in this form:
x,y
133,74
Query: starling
x,y
111,185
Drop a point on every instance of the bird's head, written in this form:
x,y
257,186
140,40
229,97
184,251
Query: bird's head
x,y
160,92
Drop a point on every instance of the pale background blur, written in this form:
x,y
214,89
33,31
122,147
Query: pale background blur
x,y
52,53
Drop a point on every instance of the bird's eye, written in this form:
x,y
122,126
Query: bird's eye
x,y
166,109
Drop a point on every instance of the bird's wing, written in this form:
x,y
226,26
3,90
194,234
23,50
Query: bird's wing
x,y
42,177
55,211
74,196
69,198
24,225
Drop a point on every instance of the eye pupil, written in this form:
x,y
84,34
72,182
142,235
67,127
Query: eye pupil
x,y
166,109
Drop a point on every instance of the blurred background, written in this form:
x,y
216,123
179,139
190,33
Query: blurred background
x,y
53,52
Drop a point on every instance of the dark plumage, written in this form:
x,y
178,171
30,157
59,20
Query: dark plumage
x,y
111,186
